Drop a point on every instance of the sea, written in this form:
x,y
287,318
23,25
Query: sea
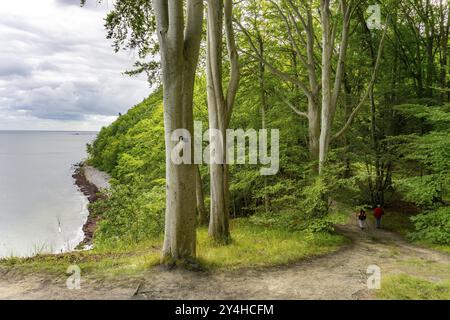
x,y
41,209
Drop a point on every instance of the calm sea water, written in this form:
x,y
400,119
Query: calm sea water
x,y
41,210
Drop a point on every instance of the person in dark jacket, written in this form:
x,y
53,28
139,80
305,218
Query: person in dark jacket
x,y
361,216
378,213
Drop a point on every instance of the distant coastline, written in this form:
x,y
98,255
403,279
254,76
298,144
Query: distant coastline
x,y
52,131
41,210
92,183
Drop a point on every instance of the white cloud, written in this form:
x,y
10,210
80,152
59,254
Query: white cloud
x,y
57,69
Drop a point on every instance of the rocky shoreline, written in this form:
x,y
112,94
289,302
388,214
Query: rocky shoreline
x,y
93,194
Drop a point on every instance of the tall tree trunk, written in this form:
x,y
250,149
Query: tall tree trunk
x,y
264,106
179,49
444,26
347,109
377,189
313,128
327,50
420,71
429,36
378,192
220,109
330,94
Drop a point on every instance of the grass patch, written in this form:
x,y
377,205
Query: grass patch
x,y
126,260
398,222
339,214
402,224
252,246
255,246
405,287
426,268
438,247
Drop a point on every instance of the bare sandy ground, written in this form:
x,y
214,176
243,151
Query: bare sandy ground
x,y
342,275
96,177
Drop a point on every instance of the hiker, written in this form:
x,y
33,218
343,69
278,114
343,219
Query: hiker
x,y
362,219
378,213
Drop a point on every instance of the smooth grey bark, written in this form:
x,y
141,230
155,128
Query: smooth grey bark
x,y
220,106
264,105
330,94
327,53
179,40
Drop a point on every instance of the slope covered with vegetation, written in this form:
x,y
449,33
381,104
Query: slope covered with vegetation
x,y
415,156
360,96
131,150
362,115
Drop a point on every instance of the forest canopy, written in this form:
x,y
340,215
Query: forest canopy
x,y
362,103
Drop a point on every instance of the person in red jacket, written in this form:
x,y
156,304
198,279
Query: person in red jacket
x,y
378,213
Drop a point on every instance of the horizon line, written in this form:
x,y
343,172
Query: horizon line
x,y
45,130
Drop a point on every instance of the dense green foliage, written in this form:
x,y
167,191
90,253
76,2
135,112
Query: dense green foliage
x,y
433,226
425,157
396,149
132,151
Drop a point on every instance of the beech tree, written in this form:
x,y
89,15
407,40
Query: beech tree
x,y
179,41
220,107
322,88
132,24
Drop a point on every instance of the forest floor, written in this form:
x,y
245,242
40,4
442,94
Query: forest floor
x,y
340,275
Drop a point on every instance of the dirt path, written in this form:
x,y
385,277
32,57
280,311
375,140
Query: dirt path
x,y
341,275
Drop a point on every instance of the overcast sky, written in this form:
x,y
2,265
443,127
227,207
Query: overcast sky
x,y
57,69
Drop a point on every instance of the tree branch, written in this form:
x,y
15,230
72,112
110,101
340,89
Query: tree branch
x,y
290,35
287,102
283,75
214,52
233,56
300,113
346,10
371,84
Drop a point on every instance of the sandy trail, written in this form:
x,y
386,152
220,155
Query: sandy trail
x,y
341,275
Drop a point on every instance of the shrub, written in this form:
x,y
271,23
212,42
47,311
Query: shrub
x,y
292,220
130,215
433,226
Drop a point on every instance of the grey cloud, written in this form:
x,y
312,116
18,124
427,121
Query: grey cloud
x,y
70,73
71,101
47,66
8,70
